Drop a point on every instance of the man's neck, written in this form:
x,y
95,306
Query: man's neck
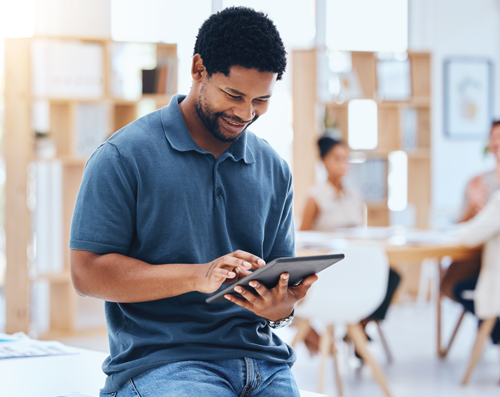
x,y
203,138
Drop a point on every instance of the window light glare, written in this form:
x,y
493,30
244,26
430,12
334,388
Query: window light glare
x,y
397,181
17,18
362,124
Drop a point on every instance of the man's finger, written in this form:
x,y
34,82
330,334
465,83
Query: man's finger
x,y
261,289
283,285
247,256
301,290
240,302
250,297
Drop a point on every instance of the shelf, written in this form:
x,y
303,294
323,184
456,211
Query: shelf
x,y
55,278
65,160
85,333
415,102
77,122
377,204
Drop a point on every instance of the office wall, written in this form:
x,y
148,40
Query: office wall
x,y
449,28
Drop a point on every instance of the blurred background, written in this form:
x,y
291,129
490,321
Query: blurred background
x,y
386,76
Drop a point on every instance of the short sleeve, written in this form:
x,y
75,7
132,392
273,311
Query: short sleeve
x,y
104,215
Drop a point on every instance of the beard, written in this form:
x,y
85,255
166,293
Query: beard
x,y
210,119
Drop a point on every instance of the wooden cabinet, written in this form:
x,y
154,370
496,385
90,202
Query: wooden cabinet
x,y
308,125
79,118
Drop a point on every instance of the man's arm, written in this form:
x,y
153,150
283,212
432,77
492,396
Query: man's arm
x,y
119,278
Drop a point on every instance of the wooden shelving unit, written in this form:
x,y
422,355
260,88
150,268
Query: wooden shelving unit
x,y
307,128
19,144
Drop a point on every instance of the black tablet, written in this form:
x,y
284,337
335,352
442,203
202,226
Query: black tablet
x,y
298,268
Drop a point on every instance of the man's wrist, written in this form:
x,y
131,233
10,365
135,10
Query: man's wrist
x,y
282,322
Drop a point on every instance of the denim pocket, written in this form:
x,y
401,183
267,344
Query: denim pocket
x,y
102,394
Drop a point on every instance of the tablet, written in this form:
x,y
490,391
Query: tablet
x,y
298,268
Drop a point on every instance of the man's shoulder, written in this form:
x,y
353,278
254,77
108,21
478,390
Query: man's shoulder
x,y
139,133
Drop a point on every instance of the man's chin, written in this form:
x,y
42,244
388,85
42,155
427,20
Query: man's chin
x,y
228,137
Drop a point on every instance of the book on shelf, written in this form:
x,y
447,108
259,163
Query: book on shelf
x,y
157,80
409,128
67,69
370,179
393,80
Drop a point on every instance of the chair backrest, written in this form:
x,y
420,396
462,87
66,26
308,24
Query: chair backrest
x,y
350,290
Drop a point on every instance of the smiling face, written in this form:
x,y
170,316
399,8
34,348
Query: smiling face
x,y
227,105
336,162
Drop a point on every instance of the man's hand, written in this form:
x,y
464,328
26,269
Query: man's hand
x,y
226,269
272,304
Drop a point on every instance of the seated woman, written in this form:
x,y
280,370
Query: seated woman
x,y
332,205
484,228
477,193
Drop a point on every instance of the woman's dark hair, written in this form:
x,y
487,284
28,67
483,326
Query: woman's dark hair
x,y
494,123
326,143
240,36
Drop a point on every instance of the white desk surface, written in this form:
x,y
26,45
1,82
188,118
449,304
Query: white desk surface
x,y
58,375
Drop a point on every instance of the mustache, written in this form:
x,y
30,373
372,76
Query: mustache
x,y
237,120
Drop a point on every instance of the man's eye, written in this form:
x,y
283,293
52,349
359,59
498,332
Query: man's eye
x,y
261,100
233,96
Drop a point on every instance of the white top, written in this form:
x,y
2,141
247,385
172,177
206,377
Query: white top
x,y
336,209
484,228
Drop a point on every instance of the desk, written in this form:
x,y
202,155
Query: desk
x,y
58,375
402,248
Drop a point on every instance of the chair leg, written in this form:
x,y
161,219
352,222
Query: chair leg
x,y
443,352
324,350
334,352
303,327
384,343
484,331
357,335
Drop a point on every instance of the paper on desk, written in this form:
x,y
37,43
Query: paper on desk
x,y
13,347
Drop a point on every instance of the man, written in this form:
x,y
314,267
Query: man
x,y
179,203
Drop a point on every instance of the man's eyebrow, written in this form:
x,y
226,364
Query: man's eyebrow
x,y
236,92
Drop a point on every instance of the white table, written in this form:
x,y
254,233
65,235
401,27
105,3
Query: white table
x,y
58,375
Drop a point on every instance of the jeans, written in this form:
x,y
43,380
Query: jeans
x,y
225,378
468,304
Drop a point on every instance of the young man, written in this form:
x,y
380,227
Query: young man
x,y
181,202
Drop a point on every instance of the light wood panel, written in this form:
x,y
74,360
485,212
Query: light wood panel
x,y
305,134
364,64
419,189
420,74
18,146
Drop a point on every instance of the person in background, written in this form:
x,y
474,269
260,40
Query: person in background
x,y
477,193
484,228
332,205
480,188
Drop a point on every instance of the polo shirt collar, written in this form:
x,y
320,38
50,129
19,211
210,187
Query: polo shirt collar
x,y
180,139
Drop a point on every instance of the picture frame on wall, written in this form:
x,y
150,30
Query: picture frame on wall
x,y
468,97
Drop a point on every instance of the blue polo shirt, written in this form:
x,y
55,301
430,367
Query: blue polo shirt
x,y
151,193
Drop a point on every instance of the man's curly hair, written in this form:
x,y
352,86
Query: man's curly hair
x,y
240,36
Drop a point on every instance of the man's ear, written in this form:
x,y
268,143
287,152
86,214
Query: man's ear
x,y
198,70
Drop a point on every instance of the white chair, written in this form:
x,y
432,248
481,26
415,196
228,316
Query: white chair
x,y
346,293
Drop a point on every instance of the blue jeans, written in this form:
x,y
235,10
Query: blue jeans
x,y
242,377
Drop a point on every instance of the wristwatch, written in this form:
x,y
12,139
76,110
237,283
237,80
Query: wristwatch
x,y
281,323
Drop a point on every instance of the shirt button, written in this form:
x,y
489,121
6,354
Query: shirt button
x,y
217,192
217,166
